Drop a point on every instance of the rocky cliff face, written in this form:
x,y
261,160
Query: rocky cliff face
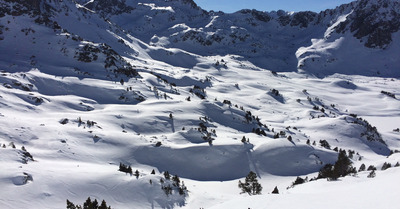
x,y
373,22
19,7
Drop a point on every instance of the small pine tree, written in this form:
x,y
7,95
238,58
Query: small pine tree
x,y
275,191
70,205
103,205
87,204
298,180
350,154
121,167
153,172
167,189
166,175
137,174
251,185
326,171
325,144
176,181
342,166
362,168
386,166
244,139
183,189
372,174
95,204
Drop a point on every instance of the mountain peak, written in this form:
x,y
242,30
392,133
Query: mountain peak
x,y
190,2
373,22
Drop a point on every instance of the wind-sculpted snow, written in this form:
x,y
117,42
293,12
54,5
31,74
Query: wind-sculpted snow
x,y
215,163
166,87
291,161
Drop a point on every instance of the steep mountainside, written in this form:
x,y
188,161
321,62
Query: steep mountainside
x,y
363,29
279,41
161,104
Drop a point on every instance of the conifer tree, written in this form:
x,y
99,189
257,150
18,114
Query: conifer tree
x,y
95,204
183,189
70,205
244,139
166,175
371,174
342,166
129,170
386,166
362,168
104,205
176,181
275,191
251,185
326,171
298,180
88,204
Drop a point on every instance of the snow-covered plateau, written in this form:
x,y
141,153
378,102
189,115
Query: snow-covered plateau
x,y
161,104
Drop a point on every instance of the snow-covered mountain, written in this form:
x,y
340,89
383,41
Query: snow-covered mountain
x,y
90,86
366,30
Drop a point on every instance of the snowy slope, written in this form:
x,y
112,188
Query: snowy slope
x,y
165,85
366,31
276,40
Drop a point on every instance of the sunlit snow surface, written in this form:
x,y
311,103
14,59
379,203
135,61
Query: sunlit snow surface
x,y
43,83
